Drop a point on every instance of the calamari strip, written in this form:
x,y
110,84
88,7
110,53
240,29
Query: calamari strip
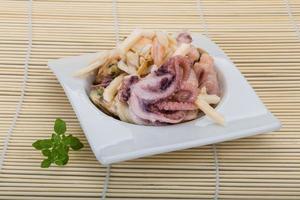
x,y
210,112
142,45
133,38
111,90
98,61
172,40
122,111
162,38
157,52
103,58
148,33
211,99
132,59
203,101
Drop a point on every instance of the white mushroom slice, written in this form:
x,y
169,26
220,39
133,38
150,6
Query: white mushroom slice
x,y
128,69
132,59
98,61
111,90
182,50
162,38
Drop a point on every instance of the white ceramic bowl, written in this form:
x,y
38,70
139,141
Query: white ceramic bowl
x,y
113,141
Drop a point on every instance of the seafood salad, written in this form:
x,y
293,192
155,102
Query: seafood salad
x,y
154,78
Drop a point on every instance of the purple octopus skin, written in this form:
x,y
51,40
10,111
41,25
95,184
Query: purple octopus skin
x,y
167,94
151,97
124,92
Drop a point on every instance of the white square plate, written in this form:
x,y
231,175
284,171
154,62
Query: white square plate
x,y
113,141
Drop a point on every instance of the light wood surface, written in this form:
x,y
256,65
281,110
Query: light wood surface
x,y
258,35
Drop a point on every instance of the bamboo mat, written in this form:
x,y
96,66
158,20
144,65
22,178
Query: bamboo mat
x,y
261,36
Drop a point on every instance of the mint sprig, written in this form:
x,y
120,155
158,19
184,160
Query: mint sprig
x,y
56,149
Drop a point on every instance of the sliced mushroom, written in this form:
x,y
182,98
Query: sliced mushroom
x,y
128,69
146,51
96,95
132,59
143,68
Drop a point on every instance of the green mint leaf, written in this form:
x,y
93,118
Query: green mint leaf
x,y
67,149
46,163
56,148
67,140
60,126
59,162
75,143
61,150
37,145
62,156
57,139
46,152
53,137
62,159
54,155
66,160
42,144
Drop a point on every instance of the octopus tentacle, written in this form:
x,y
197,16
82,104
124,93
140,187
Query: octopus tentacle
x,y
166,95
140,111
170,105
206,74
124,92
